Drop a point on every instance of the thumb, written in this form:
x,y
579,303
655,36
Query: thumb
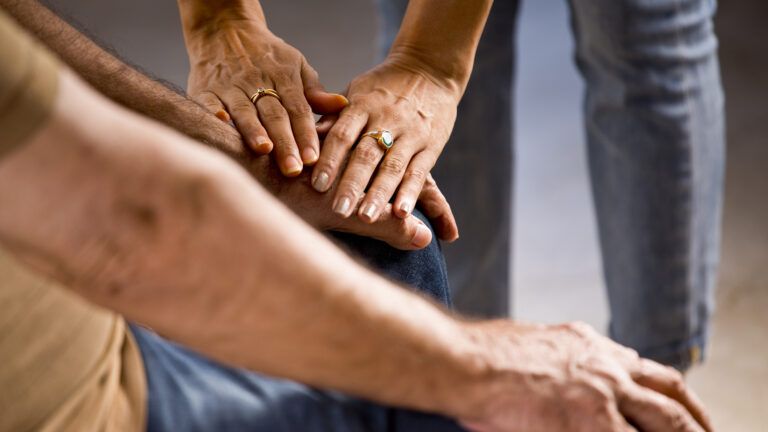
x,y
435,207
404,234
321,101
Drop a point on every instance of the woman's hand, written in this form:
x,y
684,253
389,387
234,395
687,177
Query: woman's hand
x,y
234,54
419,111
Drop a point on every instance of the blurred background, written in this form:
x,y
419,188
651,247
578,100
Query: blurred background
x,y
556,258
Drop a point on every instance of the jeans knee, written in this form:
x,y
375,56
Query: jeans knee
x,y
656,52
423,270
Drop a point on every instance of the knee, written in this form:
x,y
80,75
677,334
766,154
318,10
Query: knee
x,y
658,58
637,32
647,48
422,270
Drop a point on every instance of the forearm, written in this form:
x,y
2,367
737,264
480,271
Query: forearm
x,y
201,15
124,84
170,234
440,37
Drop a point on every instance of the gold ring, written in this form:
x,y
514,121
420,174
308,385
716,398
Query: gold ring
x,y
264,92
383,138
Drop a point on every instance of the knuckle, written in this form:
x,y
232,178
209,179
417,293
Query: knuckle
x,y
305,138
630,353
284,145
367,155
377,195
328,162
242,106
600,395
350,187
430,181
356,115
308,69
272,114
677,382
298,107
417,175
206,97
342,133
579,327
393,164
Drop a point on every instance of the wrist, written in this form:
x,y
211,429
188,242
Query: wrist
x,y
489,377
466,370
450,74
203,19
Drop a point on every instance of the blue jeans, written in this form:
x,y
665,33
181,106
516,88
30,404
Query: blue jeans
x,y
655,136
188,392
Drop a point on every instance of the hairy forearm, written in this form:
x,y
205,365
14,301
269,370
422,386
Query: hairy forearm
x,y
440,37
124,84
168,233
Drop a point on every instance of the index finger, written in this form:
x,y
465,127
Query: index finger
x,y
669,382
342,136
302,122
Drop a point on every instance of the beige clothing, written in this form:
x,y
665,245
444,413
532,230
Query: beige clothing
x,y
65,364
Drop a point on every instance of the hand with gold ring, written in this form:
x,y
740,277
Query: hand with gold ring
x,y
242,72
395,127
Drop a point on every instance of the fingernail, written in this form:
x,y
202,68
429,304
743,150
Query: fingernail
x,y
405,207
369,210
422,237
320,183
292,165
342,99
342,206
309,155
263,145
222,115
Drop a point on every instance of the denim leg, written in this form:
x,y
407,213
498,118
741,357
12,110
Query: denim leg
x,y
188,392
655,132
475,169
422,270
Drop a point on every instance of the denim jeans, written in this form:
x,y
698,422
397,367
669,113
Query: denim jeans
x,y
188,392
655,137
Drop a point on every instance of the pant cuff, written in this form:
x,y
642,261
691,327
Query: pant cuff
x,y
680,356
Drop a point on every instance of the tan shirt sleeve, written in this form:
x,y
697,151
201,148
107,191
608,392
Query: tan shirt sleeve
x,y
28,84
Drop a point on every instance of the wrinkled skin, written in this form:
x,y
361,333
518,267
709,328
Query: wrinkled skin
x,y
570,378
402,233
233,59
419,112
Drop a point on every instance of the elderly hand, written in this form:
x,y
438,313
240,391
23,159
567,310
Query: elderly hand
x,y
570,378
402,233
417,109
232,56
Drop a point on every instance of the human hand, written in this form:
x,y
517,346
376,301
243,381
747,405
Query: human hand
x,y
231,58
570,378
417,109
314,207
